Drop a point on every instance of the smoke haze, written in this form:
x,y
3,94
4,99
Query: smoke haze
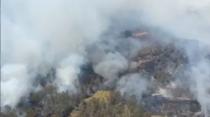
x,y
37,35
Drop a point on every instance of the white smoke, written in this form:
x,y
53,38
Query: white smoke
x,y
187,20
67,73
111,65
200,75
40,33
132,85
15,83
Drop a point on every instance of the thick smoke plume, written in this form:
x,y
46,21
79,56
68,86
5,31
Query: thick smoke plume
x,y
38,35
43,34
132,85
67,73
14,77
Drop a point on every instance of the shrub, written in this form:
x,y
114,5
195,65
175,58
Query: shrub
x,y
107,104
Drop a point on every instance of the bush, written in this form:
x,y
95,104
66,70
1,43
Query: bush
x,y
107,104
